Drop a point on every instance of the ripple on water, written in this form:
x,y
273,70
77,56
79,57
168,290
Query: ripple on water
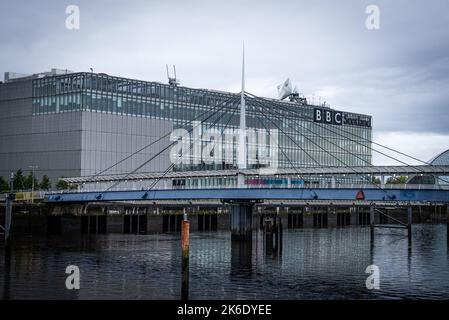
x,y
314,264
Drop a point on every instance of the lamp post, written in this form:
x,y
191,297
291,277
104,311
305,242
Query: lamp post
x,y
32,182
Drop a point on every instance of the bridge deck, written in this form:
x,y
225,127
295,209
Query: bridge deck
x,y
440,196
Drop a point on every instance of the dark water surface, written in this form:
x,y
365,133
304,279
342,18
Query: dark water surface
x,y
313,264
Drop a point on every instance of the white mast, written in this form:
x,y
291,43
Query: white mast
x,y
242,133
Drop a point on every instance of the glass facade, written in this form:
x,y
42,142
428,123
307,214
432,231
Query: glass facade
x,y
301,141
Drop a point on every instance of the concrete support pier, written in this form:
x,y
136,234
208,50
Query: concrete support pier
x,y
241,220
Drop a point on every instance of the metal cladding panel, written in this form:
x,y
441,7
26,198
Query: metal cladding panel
x,y
255,194
110,138
51,141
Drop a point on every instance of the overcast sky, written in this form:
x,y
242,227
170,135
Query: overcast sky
x,y
399,74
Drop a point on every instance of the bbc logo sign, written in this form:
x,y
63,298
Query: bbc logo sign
x,y
328,116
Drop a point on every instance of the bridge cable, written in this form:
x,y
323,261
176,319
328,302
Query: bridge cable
x,y
190,148
159,139
346,137
282,150
164,149
357,142
342,148
327,152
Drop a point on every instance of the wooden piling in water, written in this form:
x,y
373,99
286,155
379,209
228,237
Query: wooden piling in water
x,y
8,218
185,244
272,228
409,222
280,231
447,226
8,211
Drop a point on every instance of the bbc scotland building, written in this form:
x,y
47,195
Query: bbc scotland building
x,y
70,124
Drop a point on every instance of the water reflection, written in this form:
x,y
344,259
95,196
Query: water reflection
x,y
310,264
241,257
272,233
7,273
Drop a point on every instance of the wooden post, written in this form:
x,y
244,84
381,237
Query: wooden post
x,y
276,234
138,220
280,237
447,226
185,228
371,221
8,217
409,222
8,211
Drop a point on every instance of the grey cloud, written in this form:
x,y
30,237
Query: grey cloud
x,y
398,74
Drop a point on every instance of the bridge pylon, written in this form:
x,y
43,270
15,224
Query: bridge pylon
x,y
242,148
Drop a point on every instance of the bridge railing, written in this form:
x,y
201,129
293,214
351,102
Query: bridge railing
x,y
315,186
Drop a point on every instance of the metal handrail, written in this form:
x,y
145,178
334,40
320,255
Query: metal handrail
x,y
101,187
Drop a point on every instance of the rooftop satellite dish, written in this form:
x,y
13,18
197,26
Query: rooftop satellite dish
x,y
284,89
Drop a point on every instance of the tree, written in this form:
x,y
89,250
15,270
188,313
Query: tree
x,y
397,180
18,180
375,180
45,183
4,186
62,185
73,186
28,182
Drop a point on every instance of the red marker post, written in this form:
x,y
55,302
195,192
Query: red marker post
x,y
185,244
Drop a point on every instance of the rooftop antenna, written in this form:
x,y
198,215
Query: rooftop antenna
x,y
294,95
172,80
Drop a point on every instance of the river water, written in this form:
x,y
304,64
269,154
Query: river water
x,y
312,264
